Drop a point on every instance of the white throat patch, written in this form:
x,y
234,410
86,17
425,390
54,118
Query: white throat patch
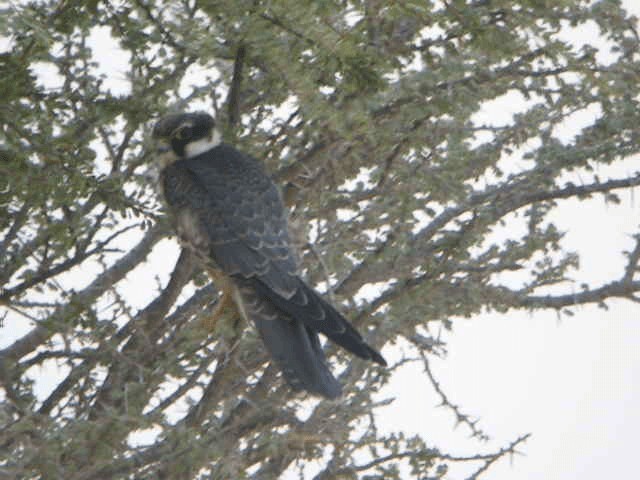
x,y
193,149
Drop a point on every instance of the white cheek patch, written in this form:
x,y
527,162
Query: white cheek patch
x,y
193,149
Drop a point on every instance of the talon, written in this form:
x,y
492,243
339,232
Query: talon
x,y
224,300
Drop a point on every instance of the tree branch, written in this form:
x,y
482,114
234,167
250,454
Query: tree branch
x,y
233,98
84,298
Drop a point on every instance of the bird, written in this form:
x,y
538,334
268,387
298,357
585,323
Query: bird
x,y
228,211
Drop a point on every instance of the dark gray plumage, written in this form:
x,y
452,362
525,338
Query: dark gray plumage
x,y
229,212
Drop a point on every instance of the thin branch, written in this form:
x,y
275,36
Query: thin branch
x,y
632,264
85,297
491,459
233,98
138,345
19,219
77,259
445,402
620,289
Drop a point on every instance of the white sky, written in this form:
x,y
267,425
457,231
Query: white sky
x,y
568,381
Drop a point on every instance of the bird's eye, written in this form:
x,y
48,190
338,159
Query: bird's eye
x,y
183,133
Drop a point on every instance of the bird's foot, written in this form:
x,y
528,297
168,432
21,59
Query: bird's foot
x,y
224,302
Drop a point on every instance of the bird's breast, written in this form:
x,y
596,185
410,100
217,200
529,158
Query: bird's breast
x,y
191,232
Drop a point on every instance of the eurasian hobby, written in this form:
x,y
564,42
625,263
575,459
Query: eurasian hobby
x,y
228,211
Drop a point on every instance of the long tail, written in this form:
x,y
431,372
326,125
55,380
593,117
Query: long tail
x,y
307,306
294,347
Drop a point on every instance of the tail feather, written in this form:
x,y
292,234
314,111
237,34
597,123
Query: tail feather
x,y
294,347
316,313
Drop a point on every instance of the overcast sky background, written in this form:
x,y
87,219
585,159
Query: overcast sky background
x,y
568,380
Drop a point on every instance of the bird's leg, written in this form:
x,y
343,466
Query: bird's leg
x,y
224,299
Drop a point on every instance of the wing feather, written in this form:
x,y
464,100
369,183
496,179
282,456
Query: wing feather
x,y
244,216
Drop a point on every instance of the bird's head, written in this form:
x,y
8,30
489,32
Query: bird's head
x,y
185,135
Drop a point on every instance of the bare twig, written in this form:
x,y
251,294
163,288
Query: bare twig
x,y
461,418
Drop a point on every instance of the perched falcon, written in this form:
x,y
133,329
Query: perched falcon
x,y
229,213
